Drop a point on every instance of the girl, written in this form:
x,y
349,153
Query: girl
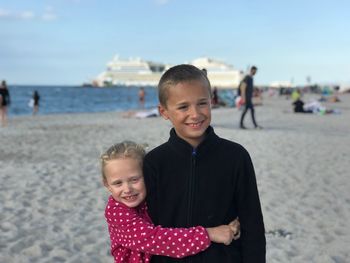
x,y
133,236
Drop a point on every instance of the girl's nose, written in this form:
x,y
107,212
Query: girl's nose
x,y
128,189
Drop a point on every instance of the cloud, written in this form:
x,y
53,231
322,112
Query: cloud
x,y
23,15
26,15
48,15
4,13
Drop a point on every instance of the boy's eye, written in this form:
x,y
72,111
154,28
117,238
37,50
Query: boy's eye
x,y
184,107
203,103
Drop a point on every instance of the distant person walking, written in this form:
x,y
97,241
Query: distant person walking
x,y
36,98
215,99
4,102
246,88
142,95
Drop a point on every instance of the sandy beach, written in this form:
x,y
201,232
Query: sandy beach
x,y
52,199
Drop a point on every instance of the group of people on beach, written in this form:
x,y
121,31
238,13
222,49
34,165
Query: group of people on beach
x,y
5,102
313,106
194,198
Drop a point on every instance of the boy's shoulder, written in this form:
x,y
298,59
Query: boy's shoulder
x,y
158,151
230,143
231,146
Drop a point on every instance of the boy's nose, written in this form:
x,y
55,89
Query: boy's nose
x,y
194,111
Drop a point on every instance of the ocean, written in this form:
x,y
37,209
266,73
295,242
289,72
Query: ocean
x,y
78,99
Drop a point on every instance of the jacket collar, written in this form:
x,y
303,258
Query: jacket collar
x,y
183,146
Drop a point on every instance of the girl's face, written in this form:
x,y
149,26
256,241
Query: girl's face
x,y
125,181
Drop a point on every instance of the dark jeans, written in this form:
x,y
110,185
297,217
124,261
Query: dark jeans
x,y
246,108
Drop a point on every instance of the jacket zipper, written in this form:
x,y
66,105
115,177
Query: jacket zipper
x,y
191,189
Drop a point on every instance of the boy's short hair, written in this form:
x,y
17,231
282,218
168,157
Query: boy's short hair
x,y
254,68
178,74
125,149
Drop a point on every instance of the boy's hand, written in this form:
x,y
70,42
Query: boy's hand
x,y
236,228
221,234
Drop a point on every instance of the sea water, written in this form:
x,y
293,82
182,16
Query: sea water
x,y
77,99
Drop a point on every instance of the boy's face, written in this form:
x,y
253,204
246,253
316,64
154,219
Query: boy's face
x,y
189,110
125,181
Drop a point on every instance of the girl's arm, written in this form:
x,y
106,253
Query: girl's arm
x,y
134,231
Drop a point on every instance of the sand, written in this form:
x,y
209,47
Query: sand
x,y
52,200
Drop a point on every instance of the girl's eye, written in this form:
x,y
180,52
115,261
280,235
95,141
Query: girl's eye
x,y
203,103
117,184
135,180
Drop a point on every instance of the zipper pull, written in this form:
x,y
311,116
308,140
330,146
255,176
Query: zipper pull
x,y
194,152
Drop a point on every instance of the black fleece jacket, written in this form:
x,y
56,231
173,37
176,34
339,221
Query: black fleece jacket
x,y
208,186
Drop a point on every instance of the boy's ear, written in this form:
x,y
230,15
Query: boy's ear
x,y
163,111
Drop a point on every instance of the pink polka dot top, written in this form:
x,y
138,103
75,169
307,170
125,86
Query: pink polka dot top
x,y
134,238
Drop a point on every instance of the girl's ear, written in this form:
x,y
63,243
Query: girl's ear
x,y
163,111
106,185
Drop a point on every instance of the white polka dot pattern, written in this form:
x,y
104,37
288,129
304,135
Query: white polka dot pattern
x,y
134,238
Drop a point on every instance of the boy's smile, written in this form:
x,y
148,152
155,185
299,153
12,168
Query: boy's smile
x,y
189,110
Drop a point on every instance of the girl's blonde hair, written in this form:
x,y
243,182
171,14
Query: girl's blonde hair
x,y
125,149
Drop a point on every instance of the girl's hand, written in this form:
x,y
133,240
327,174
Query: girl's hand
x,y
236,228
223,234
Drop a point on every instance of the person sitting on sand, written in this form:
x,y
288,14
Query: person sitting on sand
x,y
142,114
299,106
133,236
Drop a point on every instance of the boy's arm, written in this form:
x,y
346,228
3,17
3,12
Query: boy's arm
x,y
249,211
134,232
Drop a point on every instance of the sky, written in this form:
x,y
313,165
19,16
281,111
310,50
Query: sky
x,y
69,42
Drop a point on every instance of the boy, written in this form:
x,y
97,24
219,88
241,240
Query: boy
x,y
198,178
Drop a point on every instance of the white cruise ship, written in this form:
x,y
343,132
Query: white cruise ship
x,y
132,71
139,72
220,74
